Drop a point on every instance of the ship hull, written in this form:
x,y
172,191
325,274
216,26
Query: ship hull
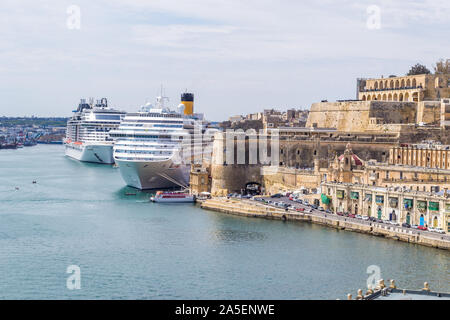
x,y
149,175
91,153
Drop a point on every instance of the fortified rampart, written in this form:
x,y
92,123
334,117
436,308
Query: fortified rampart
x,y
359,116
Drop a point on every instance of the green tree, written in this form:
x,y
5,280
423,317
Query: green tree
x,y
418,69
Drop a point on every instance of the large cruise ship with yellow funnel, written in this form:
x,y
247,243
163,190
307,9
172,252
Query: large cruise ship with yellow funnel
x,y
153,147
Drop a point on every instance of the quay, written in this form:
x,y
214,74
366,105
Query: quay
x,y
250,208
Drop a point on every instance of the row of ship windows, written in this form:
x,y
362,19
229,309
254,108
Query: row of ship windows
x,y
133,137
146,145
151,121
139,158
154,115
143,152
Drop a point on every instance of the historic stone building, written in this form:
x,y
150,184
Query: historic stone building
x,y
407,88
394,204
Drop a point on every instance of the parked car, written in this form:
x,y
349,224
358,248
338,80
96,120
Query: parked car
x,y
365,218
439,230
300,209
406,225
351,215
329,211
358,216
291,197
306,202
308,210
321,209
379,220
276,195
340,213
298,200
415,226
431,229
373,219
423,228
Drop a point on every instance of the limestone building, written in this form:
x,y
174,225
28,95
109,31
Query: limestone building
x,y
414,88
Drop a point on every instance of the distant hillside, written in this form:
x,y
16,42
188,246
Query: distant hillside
x,y
30,121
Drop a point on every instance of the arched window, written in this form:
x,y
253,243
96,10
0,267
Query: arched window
x,y
400,97
390,97
402,83
414,83
397,84
408,83
395,97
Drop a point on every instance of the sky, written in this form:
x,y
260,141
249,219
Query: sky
x,y
236,56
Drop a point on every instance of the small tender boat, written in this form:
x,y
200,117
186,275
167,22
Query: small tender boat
x,y
172,197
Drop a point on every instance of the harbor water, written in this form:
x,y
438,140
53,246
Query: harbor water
x,y
128,248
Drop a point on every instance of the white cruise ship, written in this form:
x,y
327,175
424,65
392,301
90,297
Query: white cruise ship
x,y
153,147
87,133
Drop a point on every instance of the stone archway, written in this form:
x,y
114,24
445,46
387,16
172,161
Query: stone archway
x,y
406,98
400,97
390,97
408,83
364,98
414,83
384,97
402,84
397,84
395,97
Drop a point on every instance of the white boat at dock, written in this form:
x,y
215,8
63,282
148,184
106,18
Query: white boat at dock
x,y
172,197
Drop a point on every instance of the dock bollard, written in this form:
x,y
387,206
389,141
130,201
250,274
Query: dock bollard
x,y
349,297
360,295
369,290
426,287
392,285
381,284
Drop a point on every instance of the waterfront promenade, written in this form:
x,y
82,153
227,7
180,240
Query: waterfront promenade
x,y
251,208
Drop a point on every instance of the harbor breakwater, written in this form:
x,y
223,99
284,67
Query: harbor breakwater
x,y
248,208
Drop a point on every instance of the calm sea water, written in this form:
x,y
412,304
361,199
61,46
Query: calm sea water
x,y
128,248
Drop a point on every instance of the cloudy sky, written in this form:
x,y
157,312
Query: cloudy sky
x,y
237,56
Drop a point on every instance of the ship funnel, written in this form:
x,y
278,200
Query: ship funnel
x,y
188,100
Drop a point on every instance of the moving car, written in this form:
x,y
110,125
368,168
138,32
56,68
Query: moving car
x,y
406,225
422,228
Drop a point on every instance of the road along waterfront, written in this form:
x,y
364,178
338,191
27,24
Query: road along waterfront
x,y
128,248
253,208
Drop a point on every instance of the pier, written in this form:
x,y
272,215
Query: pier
x,y
249,208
